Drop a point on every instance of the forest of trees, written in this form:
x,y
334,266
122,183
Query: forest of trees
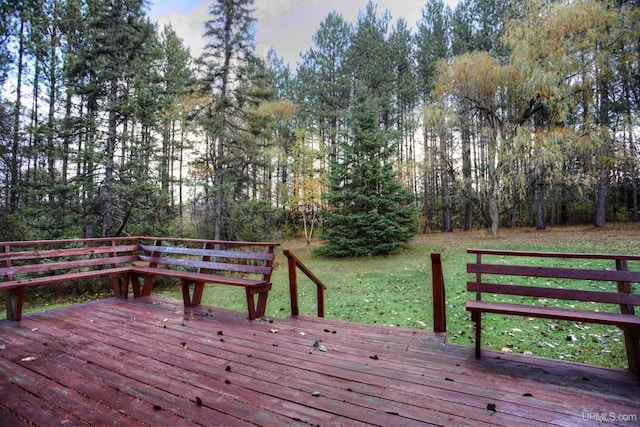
x,y
491,114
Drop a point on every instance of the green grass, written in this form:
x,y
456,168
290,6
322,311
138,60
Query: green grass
x,y
396,291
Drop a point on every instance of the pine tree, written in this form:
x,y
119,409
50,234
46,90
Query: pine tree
x,y
370,213
228,62
323,82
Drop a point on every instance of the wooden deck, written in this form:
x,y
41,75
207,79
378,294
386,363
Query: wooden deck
x,y
151,362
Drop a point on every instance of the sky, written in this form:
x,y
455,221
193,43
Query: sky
x,y
285,25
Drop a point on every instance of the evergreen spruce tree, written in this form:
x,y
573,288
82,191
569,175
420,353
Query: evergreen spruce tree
x,y
370,212
228,66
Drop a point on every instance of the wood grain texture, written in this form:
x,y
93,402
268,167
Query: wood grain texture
x,y
151,361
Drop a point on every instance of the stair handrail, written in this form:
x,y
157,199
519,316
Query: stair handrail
x,y
294,262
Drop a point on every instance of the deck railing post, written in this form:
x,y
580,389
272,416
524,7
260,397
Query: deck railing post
x,y
295,263
439,308
293,283
320,301
631,337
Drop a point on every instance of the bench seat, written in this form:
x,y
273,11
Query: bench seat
x,y
193,297
587,316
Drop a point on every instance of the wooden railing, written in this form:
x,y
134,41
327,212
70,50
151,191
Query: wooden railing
x,y
294,263
437,283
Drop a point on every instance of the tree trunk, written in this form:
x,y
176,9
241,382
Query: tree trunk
x,y
466,177
14,194
492,193
51,156
444,178
540,223
493,211
634,193
108,219
601,198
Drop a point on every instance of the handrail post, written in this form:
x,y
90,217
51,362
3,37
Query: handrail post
x,y
294,263
631,337
320,301
439,307
293,283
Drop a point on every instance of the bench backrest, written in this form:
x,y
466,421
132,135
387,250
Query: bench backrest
x,y
252,259
509,273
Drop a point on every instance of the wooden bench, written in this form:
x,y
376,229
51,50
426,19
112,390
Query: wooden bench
x,y
511,272
196,262
137,260
43,262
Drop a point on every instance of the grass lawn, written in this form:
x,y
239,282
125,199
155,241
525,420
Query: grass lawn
x,y
396,291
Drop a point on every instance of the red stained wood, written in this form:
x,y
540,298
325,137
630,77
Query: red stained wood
x,y
121,260
614,319
511,267
199,277
147,361
555,293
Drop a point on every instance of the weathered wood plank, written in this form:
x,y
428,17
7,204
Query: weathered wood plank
x,y
190,358
10,418
43,381
265,256
67,265
555,272
328,367
37,411
555,293
66,252
206,265
154,353
21,283
200,277
614,319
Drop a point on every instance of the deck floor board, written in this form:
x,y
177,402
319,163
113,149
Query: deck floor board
x,y
150,361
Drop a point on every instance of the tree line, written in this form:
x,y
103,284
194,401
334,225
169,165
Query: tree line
x,y
486,115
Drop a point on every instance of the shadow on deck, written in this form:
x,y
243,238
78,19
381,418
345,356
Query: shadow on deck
x,y
150,361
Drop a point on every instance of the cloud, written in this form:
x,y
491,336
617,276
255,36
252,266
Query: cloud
x,y
188,25
286,25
